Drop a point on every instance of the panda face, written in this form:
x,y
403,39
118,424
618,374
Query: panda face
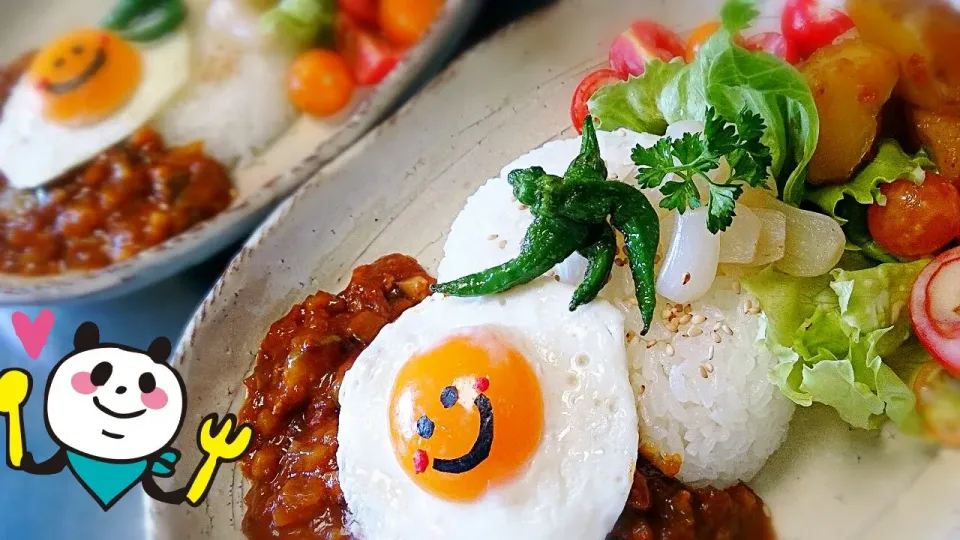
x,y
114,404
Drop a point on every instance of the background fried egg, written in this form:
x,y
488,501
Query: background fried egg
x,y
577,481
34,151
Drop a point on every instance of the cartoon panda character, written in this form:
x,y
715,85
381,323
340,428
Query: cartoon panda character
x,y
114,410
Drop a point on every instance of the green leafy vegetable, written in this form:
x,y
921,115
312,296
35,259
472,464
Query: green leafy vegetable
x,y
890,164
831,334
305,22
738,14
730,78
698,154
632,104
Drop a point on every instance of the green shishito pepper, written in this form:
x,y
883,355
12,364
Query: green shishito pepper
x,y
145,20
576,213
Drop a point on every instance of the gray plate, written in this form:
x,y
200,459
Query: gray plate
x,y
399,190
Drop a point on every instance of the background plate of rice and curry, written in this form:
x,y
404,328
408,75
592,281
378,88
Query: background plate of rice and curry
x,y
138,138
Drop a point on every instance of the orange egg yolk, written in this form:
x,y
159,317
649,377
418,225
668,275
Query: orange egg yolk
x,y
466,415
85,76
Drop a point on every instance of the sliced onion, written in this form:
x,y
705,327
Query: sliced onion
x,y
773,236
935,310
690,264
814,242
738,244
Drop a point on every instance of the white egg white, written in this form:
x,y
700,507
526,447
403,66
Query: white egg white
x,y
578,480
34,151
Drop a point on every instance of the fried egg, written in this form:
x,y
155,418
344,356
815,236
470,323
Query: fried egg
x,y
83,93
498,417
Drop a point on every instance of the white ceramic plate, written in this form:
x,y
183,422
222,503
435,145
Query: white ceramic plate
x,y
399,190
290,160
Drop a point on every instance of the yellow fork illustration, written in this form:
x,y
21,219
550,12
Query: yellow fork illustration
x,y
14,390
219,443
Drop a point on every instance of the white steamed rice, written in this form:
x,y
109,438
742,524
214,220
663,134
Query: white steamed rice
x,y
236,101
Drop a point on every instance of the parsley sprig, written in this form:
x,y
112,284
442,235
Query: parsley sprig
x,y
696,154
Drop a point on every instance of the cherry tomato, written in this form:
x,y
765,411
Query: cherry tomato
x,y
918,220
698,37
404,22
369,56
642,42
364,11
587,87
773,43
935,309
809,26
320,82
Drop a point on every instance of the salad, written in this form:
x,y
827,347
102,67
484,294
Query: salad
x,y
849,117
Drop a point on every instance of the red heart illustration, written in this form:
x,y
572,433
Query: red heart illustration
x,y
33,334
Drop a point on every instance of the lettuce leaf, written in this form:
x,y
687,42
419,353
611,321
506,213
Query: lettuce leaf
x,y
632,104
830,335
730,78
890,164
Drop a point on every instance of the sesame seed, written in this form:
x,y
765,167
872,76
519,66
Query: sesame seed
x,y
630,335
710,352
699,319
688,308
737,288
492,236
748,304
643,388
727,330
709,367
666,314
703,372
556,277
754,310
694,331
685,279
670,350
686,319
717,326
673,326
651,344
502,244
717,338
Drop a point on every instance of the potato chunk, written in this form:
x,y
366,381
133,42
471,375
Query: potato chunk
x,y
939,133
923,35
850,81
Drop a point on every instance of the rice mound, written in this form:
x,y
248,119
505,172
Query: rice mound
x,y
724,423
723,426
236,100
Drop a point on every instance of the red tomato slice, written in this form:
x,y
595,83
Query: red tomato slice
x,y
773,43
587,87
935,309
364,11
642,42
369,56
809,26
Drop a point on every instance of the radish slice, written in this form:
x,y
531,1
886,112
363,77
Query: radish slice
x,y
690,265
935,309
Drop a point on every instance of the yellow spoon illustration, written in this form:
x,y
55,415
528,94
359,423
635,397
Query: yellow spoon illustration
x,y
219,443
14,389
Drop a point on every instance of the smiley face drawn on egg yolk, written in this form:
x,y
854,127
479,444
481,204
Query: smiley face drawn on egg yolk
x,y
466,415
84,76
